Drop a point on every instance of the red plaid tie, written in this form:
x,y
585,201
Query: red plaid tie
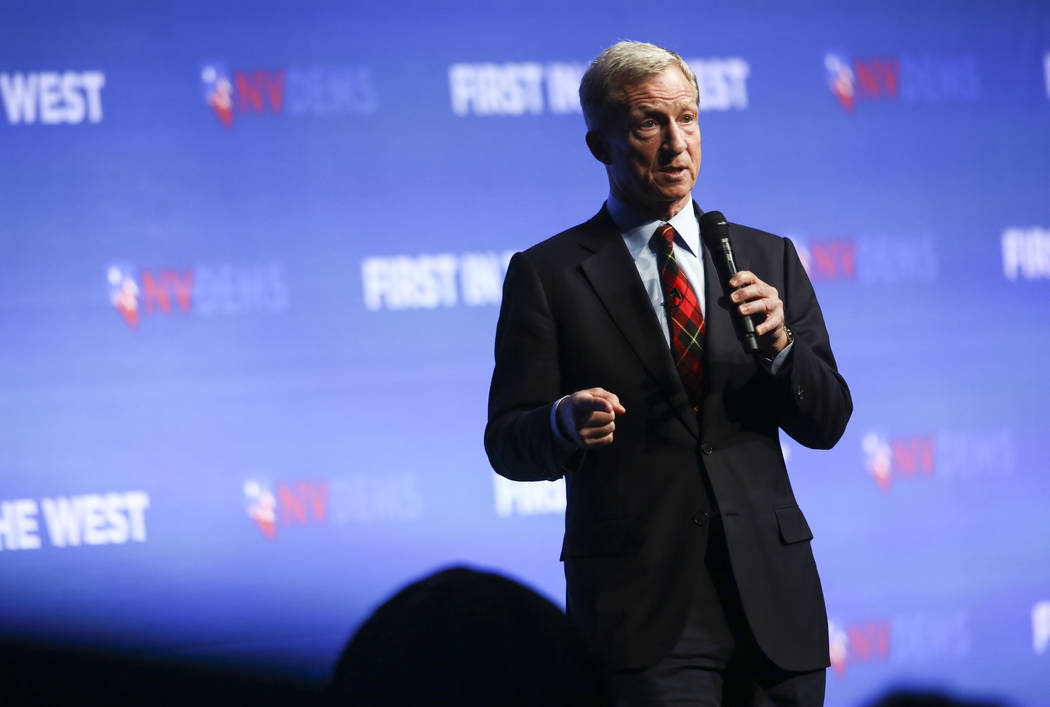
x,y
684,318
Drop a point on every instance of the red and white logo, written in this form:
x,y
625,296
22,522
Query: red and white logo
x,y
163,290
295,503
907,78
904,639
862,79
262,507
862,642
840,80
205,290
218,92
296,91
947,456
359,499
832,259
910,456
124,293
869,259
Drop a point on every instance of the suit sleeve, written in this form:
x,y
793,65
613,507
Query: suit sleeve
x,y
816,404
525,381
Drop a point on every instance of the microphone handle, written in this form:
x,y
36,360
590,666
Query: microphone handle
x,y
750,340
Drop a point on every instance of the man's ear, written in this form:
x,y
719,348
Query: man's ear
x,y
599,146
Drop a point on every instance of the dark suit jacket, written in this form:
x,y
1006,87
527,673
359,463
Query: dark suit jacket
x,y
575,315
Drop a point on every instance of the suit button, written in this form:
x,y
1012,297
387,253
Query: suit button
x,y
706,448
800,393
699,519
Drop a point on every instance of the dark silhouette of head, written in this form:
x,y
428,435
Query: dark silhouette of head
x,y
465,637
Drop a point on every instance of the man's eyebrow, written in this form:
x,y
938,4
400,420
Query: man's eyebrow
x,y
659,107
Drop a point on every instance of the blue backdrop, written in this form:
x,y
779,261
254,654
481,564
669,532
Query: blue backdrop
x,y
252,257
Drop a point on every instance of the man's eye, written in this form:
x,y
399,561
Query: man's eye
x,y
688,118
650,123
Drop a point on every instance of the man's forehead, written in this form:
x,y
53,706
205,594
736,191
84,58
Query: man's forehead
x,y
654,90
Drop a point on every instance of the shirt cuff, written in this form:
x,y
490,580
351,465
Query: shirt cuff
x,y
780,358
561,441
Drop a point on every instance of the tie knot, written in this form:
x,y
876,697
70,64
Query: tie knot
x,y
664,237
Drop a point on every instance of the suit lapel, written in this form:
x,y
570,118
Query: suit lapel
x,y
614,277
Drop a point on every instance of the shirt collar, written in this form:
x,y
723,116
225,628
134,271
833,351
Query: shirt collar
x,y
638,228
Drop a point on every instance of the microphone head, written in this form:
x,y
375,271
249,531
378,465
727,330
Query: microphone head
x,y
712,218
713,228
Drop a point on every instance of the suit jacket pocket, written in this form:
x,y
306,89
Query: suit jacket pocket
x,y
793,525
607,538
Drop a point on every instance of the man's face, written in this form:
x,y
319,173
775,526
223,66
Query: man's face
x,y
652,154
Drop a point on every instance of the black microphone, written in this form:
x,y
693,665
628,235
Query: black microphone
x,y
715,232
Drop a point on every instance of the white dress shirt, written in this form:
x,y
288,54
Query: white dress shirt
x,y
637,230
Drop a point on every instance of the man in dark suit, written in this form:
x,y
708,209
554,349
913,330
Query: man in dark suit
x,y
619,367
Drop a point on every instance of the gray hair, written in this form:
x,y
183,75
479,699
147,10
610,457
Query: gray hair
x,y
624,63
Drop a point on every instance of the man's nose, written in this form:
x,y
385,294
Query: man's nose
x,y
674,138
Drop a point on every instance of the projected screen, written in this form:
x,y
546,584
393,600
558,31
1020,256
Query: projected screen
x,y
252,264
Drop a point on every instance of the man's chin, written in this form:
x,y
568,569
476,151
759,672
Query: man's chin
x,y
670,193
